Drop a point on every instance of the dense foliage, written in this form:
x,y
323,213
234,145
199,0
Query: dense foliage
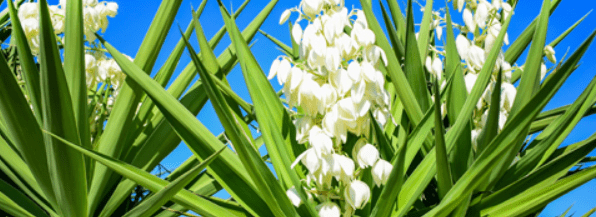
x,y
391,118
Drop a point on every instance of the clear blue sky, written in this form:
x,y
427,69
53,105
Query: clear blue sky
x,y
127,30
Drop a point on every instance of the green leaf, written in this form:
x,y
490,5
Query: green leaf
x,y
151,182
398,19
539,196
18,172
272,117
285,48
11,207
390,192
24,130
425,31
590,212
402,89
491,127
195,97
74,69
413,65
528,86
167,70
66,166
227,170
157,200
546,174
237,130
443,171
545,144
396,43
426,170
485,162
555,42
113,140
10,194
29,68
523,40
456,98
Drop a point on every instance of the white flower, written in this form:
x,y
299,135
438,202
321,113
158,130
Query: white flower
x,y
481,15
297,33
342,167
463,46
284,16
543,71
550,54
506,9
327,97
346,109
309,159
329,209
273,69
320,141
303,125
357,194
364,37
341,81
459,4
366,154
503,119
475,135
470,80
508,93
28,10
312,7
381,172
89,2
355,71
292,194
435,66
332,60
476,57
497,4
469,20
308,97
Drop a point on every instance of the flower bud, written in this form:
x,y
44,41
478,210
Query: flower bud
x,y
366,155
273,69
381,172
297,33
329,209
284,16
550,54
357,194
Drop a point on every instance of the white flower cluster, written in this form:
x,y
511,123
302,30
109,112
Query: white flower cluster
x,y
486,18
483,21
335,83
101,69
95,18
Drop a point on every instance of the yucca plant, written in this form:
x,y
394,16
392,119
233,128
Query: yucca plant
x,y
368,125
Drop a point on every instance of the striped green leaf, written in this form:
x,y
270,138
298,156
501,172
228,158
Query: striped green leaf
x,y
66,166
155,202
227,170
